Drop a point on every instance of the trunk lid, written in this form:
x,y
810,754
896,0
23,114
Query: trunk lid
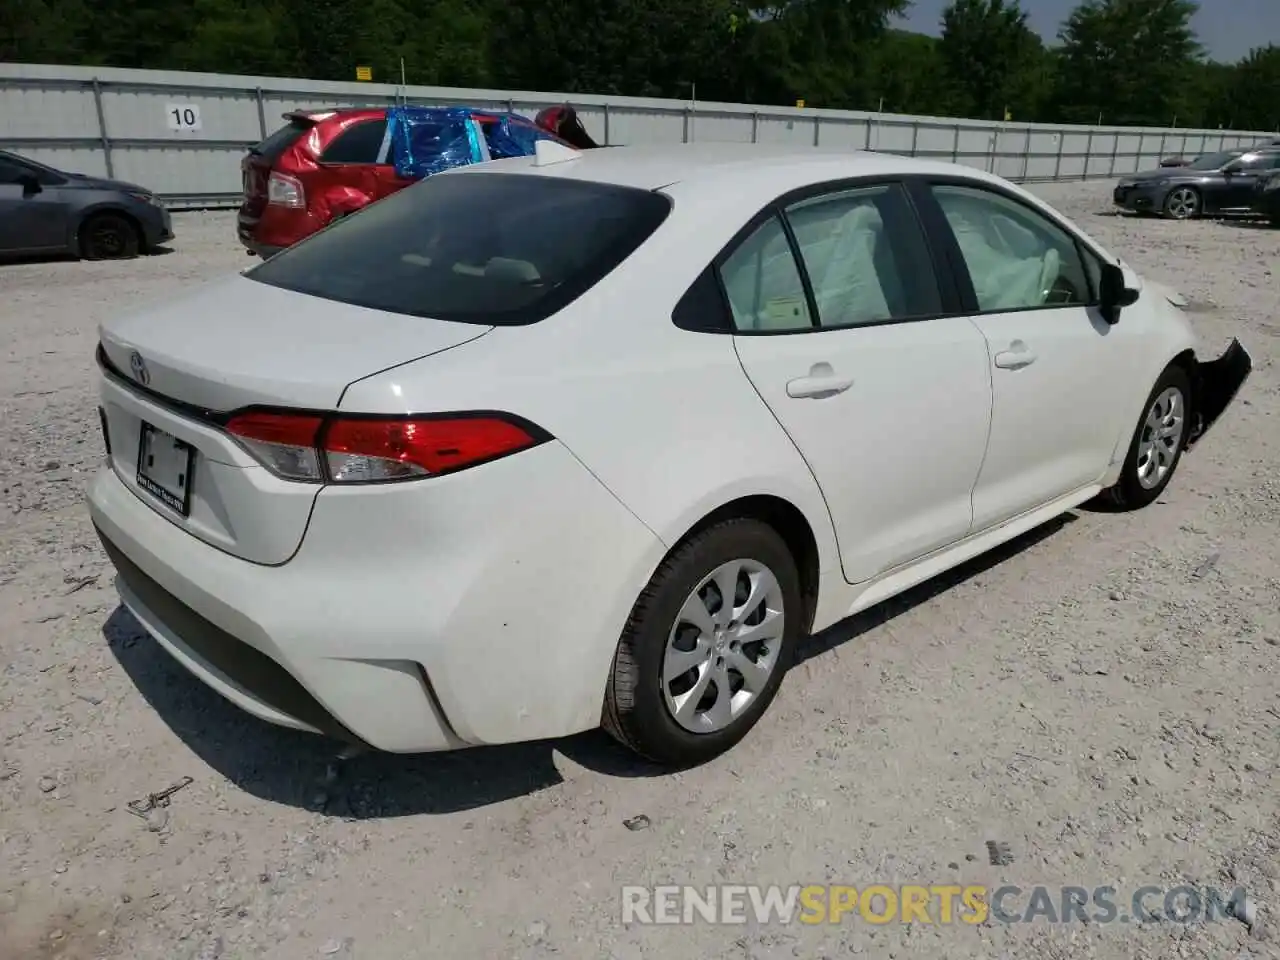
x,y
231,344
235,343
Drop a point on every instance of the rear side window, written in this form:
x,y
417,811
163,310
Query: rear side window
x,y
273,146
476,247
359,143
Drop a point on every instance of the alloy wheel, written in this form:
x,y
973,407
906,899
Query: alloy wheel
x,y
1183,203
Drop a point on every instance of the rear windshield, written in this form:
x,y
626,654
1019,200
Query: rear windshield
x,y
475,247
280,141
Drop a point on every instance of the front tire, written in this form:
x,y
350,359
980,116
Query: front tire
x,y
692,673
1157,444
109,236
1183,203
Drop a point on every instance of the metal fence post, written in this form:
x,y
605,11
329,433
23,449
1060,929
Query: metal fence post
x,y
915,136
1088,155
955,145
686,125
867,143
817,131
1164,135
1115,149
606,124
102,129
1026,154
755,127
262,113
1057,164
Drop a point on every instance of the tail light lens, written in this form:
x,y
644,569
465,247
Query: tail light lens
x,y
362,449
285,191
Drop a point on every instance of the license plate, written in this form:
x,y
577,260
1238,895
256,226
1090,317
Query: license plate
x,y
165,467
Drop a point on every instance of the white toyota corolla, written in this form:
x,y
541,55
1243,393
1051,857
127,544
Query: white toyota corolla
x,y
597,438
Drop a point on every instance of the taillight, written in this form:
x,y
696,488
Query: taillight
x,y
285,191
284,443
367,449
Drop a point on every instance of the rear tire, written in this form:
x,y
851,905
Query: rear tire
x,y
1157,445
109,236
664,659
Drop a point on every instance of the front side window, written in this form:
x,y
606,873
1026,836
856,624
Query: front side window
x,y
1016,258
13,172
474,247
1213,161
866,257
763,283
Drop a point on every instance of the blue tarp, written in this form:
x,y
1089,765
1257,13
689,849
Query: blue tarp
x,y
427,140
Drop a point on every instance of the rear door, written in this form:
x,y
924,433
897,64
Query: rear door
x,y
359,157
844,330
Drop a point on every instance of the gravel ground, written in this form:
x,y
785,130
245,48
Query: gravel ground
x,y
1101,696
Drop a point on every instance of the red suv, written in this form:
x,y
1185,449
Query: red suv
x,y
324,164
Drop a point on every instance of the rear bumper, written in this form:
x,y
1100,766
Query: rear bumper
x,y
273,228
415,617
1217,383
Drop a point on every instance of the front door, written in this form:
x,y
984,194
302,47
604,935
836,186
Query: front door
x,y
887,399
1057,368
33,209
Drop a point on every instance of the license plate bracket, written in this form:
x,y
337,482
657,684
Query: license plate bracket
x,y
166,466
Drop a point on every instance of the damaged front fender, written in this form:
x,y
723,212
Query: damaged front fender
x,y
1216,384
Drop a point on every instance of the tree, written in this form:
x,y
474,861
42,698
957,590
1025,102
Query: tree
x,y
1127,60
990,57
1252,92
911,76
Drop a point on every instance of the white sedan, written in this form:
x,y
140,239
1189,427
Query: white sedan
x,y
597,438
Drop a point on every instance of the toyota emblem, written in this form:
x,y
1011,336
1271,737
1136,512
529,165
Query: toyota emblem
x,y
139,368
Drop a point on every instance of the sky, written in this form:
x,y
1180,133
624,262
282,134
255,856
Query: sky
x,y
1227,28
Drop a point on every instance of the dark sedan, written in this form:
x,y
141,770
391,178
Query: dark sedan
x,y
43,211
1214,183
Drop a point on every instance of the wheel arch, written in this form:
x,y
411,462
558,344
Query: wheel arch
x,y
97,210
789,522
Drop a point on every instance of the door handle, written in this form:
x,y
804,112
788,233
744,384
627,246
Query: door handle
x,y
1018,355
821,383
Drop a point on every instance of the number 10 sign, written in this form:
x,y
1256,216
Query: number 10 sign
x,y
182,117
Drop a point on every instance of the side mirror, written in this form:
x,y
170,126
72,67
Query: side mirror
x,y
1114,296
1232,168
30,184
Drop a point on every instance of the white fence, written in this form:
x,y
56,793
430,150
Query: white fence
x,y
183,134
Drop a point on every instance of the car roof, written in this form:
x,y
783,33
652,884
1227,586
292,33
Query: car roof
x,y
768,168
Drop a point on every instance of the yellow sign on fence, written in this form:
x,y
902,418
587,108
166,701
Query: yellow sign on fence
x,y
364,73
799,103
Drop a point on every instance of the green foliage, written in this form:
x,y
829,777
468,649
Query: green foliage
x,y
1128,61
991,58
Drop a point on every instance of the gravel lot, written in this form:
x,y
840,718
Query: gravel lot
x,y
1101,696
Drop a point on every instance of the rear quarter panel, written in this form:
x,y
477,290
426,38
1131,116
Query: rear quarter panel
x,y
665,418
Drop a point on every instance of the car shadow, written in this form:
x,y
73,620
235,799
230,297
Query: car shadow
x,y
309,771
9,260
1255,224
